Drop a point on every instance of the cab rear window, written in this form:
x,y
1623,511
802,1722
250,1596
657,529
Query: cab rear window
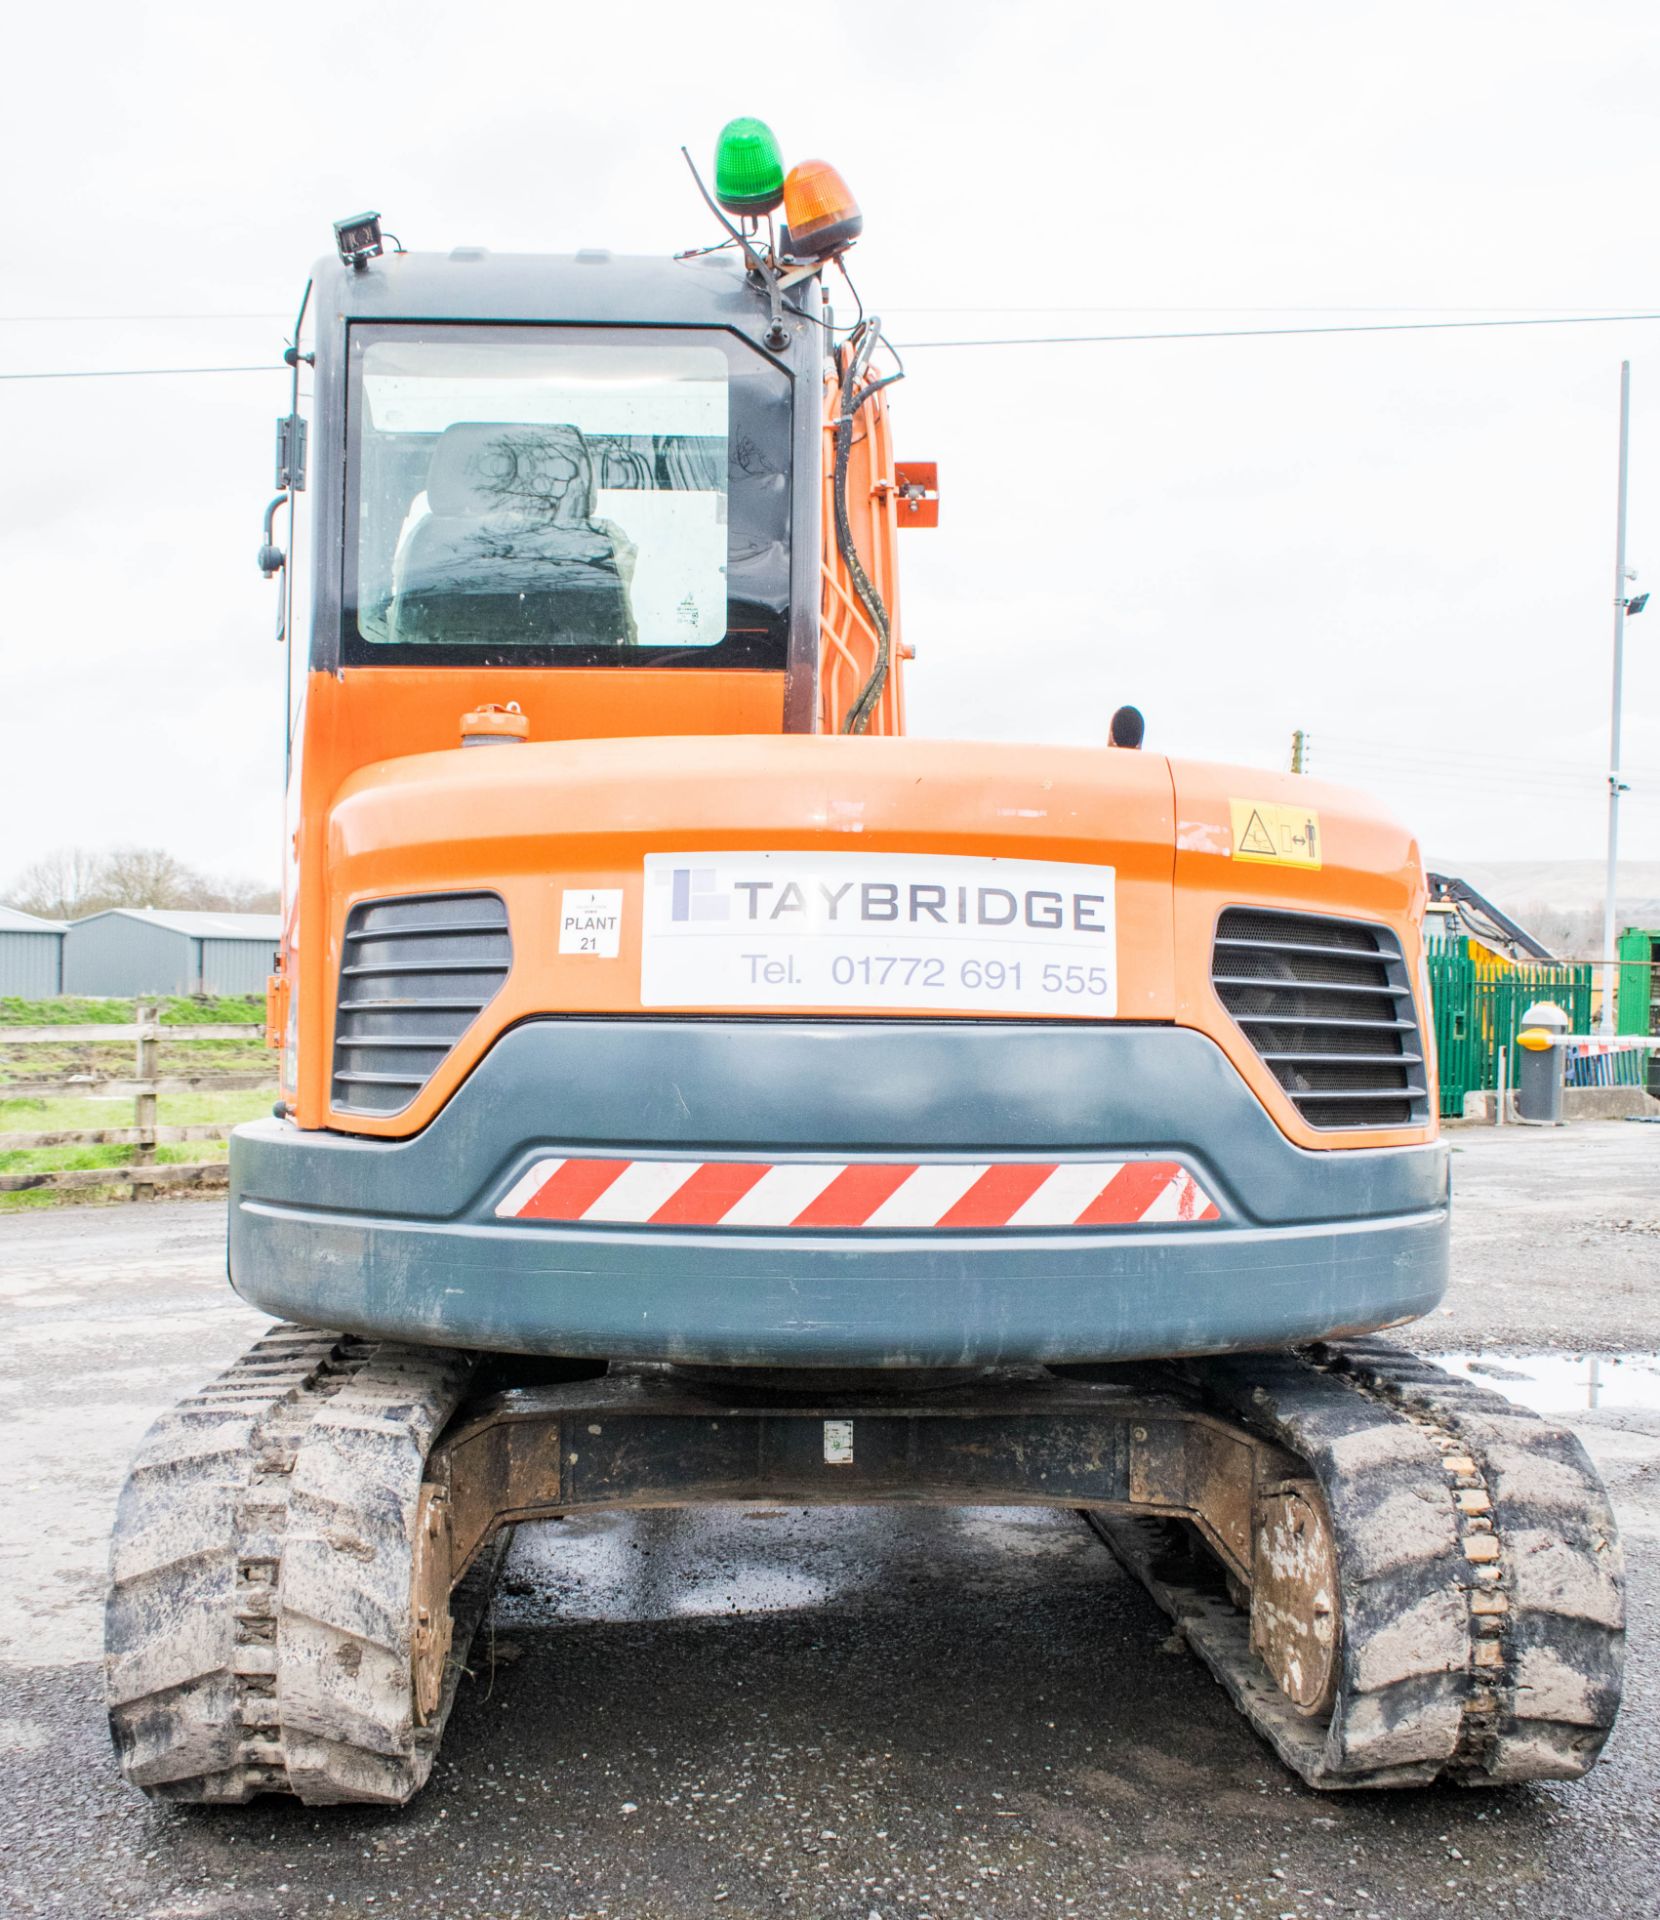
x,y
565,496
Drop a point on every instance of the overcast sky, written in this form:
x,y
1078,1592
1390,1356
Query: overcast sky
x,y
1400,542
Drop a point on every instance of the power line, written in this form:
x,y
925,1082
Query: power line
x,y
1277,333
1458,760
1470,760
1427,306
1459,764
1039,340
139,373
1419,793
58,319
1423,306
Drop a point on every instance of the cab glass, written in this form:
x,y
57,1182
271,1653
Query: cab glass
x,y
565,496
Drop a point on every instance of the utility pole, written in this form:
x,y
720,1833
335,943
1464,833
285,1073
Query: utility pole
x,y
1299,751
1616,786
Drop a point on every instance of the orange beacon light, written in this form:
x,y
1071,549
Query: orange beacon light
x,y
822,216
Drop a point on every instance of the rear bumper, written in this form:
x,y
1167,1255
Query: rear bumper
x,y
403,1238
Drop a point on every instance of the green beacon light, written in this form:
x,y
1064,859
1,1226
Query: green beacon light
x,y
749,168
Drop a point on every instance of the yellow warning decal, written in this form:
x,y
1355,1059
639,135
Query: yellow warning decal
x,y
1274,834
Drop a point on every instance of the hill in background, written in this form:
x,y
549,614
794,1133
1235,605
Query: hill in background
x,y
1560,901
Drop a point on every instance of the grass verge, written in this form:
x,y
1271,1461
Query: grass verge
x,y
43,1062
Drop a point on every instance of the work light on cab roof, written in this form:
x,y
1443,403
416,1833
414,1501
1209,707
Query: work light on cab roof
x,y
749,167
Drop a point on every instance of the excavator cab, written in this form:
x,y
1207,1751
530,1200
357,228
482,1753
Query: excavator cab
x,y
695,1089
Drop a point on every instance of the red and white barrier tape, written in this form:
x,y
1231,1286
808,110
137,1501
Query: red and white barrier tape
x,y
822,1193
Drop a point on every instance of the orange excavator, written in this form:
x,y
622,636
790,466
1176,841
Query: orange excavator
x,y
695,1090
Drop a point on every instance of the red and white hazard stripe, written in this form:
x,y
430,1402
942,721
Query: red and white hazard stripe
x,y
863,1193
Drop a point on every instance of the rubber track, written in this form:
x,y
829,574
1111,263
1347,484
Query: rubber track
x,y
1482,1582
258,1627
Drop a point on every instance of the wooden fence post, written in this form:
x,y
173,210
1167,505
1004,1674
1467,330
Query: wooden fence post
x,y
144,1176
148,1063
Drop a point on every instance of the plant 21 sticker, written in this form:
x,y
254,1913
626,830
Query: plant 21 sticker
x,y
590,921
913,932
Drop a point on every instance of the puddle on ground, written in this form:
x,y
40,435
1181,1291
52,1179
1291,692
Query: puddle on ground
x,y
1563,1382
664,1563
655,1565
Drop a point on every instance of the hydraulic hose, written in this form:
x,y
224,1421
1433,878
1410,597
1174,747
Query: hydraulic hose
x,y
860,349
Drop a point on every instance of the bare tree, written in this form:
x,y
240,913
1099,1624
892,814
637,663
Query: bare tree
x,y
1571,933
60,885
76,881
240,896
147,877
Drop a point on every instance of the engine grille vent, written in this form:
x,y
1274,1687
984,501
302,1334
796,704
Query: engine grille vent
x,y
1328,1007
415,975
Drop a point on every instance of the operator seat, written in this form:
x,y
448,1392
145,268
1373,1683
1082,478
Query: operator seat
x,y
509,553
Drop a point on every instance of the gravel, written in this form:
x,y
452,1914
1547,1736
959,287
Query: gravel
x,y
835,1714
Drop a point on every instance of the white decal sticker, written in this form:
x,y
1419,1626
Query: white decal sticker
x,y
923,932
590,920
838,1443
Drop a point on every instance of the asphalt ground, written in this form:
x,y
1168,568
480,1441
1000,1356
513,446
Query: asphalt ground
x,y
829,1714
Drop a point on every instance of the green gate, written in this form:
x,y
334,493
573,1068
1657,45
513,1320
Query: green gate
x,y
1638,1003
1479,1003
